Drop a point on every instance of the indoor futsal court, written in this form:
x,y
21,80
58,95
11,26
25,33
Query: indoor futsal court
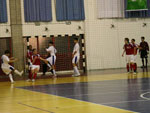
x,y
74,56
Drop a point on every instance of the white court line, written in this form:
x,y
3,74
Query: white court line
x,y
119,102
107,93
143,96
78,100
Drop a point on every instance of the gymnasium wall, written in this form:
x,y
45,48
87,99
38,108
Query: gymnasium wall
x,y
4,26
54,27
103,43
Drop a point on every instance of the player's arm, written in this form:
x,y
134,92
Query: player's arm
x,y
12,58
135,48
123,51
147,47
74,53
48,50
12,61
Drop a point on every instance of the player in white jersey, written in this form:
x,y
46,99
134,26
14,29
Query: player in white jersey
x,y
6,68
52,59
76,58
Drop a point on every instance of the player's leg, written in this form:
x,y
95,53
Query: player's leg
x,y
146,59
33,74
11,78
8,71
128,63
53,65
133,66
30,74
74,63
48,63
44,68
142,57
131,63
16,71
36,70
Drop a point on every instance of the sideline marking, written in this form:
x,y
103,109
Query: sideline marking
x,y
143,96
36,108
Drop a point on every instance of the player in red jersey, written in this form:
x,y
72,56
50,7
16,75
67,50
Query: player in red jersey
x,y
35,64
29,58
135,50
128,49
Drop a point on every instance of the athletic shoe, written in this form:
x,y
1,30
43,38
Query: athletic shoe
x,y
54,76
76,75
128,72
28,80
134,73
12,82
33,80
21,73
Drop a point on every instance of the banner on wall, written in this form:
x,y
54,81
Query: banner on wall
x,y
136,5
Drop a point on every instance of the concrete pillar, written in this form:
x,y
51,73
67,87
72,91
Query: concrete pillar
x,y
16,30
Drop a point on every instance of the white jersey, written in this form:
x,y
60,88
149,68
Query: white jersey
x,y
5,61
77,49
52,50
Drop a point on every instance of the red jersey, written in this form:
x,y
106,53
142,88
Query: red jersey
x,y
36,59
129,49
135,46
29,54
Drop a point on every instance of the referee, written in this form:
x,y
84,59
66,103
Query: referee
x,y
144,51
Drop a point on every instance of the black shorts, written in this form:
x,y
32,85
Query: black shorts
x,y
144,54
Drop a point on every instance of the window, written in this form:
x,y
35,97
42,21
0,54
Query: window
x,y
69,10
37,10
3,11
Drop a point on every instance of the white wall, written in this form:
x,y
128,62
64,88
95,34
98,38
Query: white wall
x,y
4,26
55,28
103,43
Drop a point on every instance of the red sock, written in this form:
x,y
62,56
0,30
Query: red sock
x,y
35,74
128,67
131,67
30,75
135,66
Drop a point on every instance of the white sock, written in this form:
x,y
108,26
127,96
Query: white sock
x,y
54,72
18,73
11,78
76,70
49,65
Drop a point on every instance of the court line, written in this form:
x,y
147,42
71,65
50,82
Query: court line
x,y
78,100
105,93
123,102
36,108
142,96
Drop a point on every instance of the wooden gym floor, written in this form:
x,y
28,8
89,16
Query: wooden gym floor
x,y
99,92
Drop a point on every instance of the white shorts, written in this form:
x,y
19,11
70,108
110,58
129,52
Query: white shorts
x,y
7,69
35,67
51,60
134,58
75,59
129,58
